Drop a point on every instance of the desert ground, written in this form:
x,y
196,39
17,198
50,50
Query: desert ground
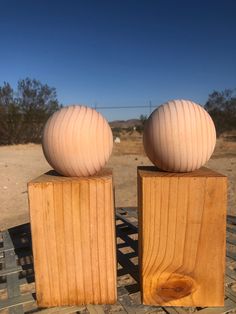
x,y
21,163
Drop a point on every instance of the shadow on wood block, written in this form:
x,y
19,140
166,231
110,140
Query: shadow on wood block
x,y
73,236
182,228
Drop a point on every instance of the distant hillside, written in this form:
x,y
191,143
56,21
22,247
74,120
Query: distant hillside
x,y
125,124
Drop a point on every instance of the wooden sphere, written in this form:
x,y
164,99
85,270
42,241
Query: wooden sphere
x,y
77,141
179,136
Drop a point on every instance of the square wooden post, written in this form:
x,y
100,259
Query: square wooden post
x,y
73,234
182,234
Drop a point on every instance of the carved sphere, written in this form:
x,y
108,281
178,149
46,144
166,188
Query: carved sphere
x,y
179,136
77,141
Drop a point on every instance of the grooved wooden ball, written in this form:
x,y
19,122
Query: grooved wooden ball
x,y
179,136
77,141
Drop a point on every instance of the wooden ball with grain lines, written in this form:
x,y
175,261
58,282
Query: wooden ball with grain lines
x,y
77,141
179,136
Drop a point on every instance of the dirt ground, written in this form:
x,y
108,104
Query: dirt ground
x,y
21,163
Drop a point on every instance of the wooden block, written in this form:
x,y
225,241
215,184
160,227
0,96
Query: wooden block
x,y
182,235
73,235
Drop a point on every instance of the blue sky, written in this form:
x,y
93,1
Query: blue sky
x,y
120,53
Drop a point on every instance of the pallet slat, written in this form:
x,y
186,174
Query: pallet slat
x,y
229,305
11,269
16,301
126,300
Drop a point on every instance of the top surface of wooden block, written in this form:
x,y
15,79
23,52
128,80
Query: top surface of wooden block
x,y
152,171
53,176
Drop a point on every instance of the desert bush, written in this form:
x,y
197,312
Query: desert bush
x,y
24,112
222,108
116,131
143,118
139,128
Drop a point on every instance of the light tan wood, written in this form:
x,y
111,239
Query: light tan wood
x,y
182,233
78,131
179,136
73,234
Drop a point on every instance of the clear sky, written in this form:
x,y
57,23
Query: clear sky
x,y
120,52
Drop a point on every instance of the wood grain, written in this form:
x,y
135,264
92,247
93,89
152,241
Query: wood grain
x,y
179,136
77,131
182,221
73,235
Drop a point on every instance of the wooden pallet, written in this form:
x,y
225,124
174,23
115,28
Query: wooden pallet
x,y
17,289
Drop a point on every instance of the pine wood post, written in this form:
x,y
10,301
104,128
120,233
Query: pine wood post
x,y
182,234
73,235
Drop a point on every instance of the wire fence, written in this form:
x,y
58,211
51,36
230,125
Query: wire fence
x,y
125,112
18,127
148,107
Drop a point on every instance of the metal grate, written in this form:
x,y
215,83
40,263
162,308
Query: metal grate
x,y
17,289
